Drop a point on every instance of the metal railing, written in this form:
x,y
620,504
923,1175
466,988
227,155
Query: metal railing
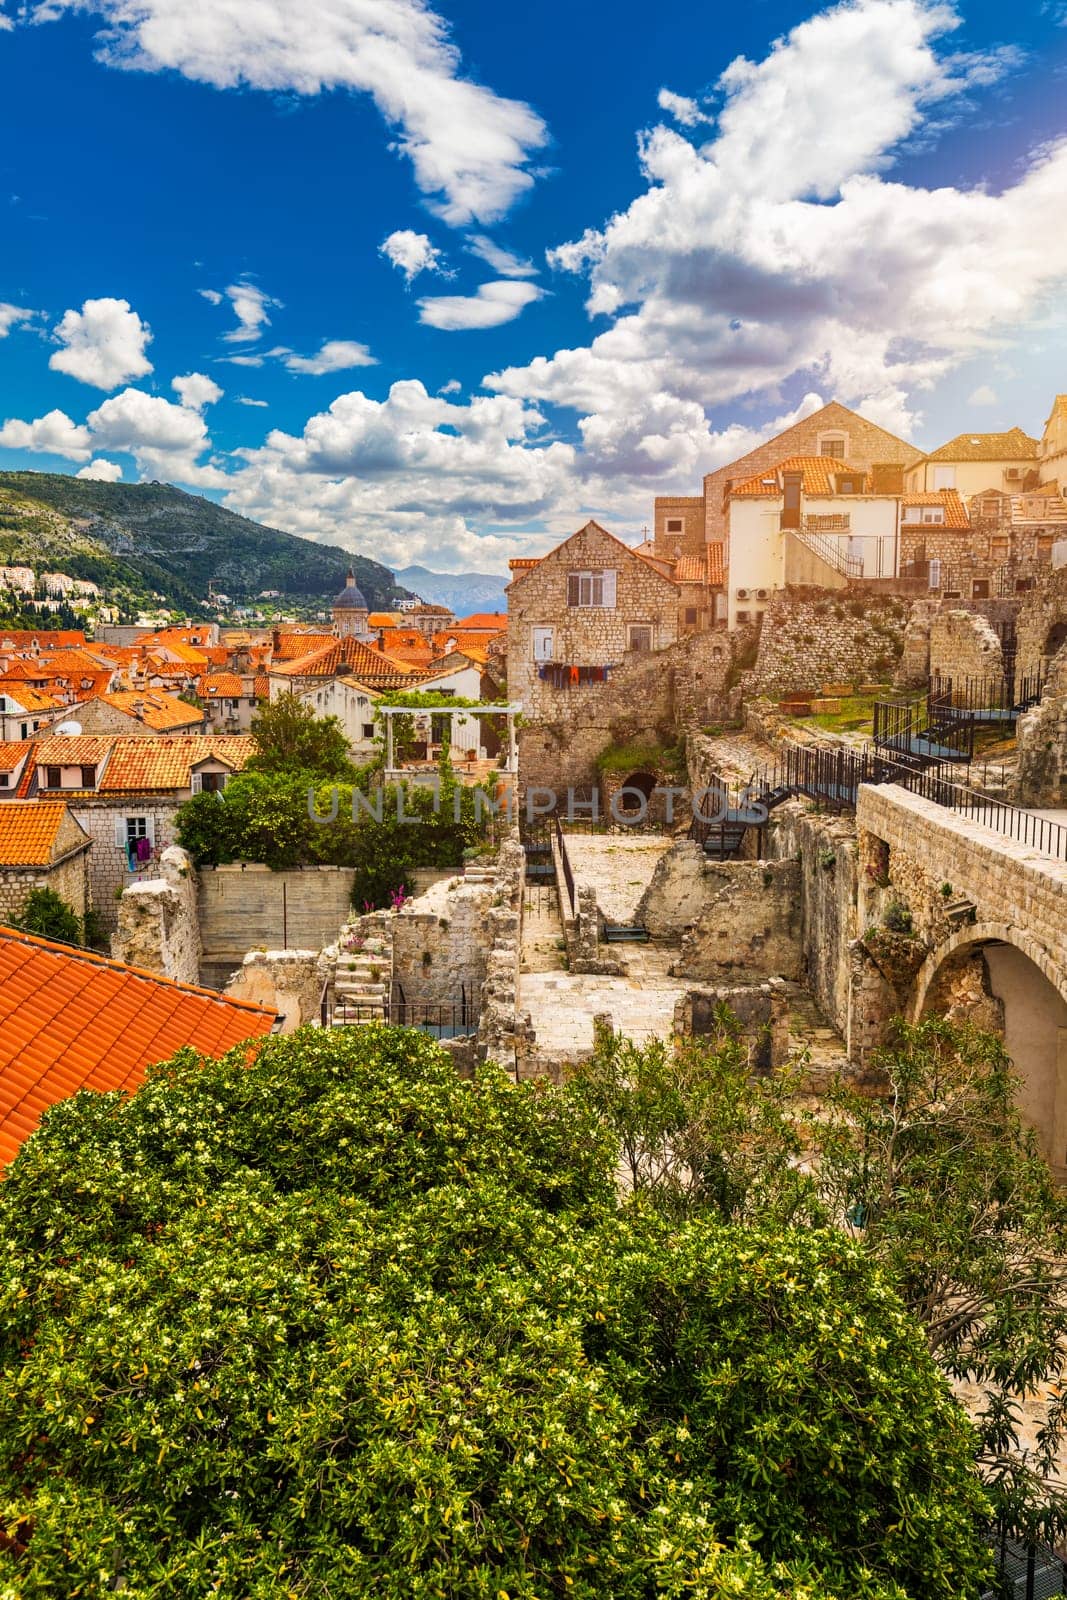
x,y
965,697
1025,827
448,1021
1028,1573
830,550
922,733
564,859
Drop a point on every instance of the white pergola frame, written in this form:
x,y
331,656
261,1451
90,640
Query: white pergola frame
x,y
507,708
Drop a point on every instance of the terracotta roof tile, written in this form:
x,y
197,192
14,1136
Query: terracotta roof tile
x,y
28,830
955,510
139,765
492,621
818,472
70,1020
29,699
1015,445
690,569
346,656
78,750
12,753
155,710
219,686
291,646
716,562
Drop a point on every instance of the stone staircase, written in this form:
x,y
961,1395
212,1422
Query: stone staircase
x,y
361,985
474,874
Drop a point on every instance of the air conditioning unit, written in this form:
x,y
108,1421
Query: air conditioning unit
x,y
1014,472
761,594
742,594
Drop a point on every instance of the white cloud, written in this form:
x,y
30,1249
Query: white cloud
x,y
212,296
682,108
453,386
335,355
54,434
503,261
196,391
102,344
779,251
984,395
469,147
166,441
412,253
251,306
13,317
245,400
244,361
493,305
101,471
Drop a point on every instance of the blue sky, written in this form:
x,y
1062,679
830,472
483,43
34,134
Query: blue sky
x,y
619,246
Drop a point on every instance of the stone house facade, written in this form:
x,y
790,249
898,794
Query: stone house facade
x,y
42,846
577,615
974,462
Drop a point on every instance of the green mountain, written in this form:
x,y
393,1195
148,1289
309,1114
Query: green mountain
x,y
150,541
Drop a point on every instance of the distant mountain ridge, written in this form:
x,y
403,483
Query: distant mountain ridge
x,y
153,539
463,592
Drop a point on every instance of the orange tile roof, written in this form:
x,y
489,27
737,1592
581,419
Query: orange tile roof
x,y
160,711
29,698
524,563
219,685
28,830
955,510
493,621
1015,445
57,638
716,562
77,750
262,686
12,753
345,656
691,569
138,765
70,1020
291,646
818,472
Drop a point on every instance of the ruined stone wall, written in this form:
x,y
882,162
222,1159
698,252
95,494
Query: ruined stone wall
x,y
1041,745
441,943
502,1033
964,645
1039,613
749,925
69,880
249,907
824,850
808,642
290,981
158,927
650,700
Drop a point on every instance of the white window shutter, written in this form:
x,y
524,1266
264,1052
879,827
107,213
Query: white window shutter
x,y
609,590
197,783
574,588
935,573
120,833
151,823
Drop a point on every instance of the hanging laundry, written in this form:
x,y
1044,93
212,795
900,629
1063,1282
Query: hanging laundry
x,y
144,850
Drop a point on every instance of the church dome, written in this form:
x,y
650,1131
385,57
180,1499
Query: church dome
x,y
351,597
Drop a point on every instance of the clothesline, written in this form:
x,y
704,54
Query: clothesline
x,y
562,675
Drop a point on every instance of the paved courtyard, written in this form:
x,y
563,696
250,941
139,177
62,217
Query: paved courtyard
x,y
618,865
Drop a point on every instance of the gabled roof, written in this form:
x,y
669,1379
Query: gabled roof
x,y
691,569
28,832
521,567
819,473
955,510
29,698
153,708
349,656
492,621
13,752
77,750
70,1020
293,645
1015,445
140,765
219,686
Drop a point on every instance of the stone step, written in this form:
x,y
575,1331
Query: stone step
x,y
363,993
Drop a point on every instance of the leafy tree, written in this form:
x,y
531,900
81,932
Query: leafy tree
x,y
935,1177
332,1322
47,914
291,738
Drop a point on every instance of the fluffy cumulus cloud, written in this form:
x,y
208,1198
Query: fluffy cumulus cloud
x,y
411,253
54,434
166,441
100,470
470,148
490,306
196,390
335,355
682,108
251,306
103,344
780,248
13,317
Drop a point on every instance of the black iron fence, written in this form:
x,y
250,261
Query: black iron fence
x,y
922,733
1027,1573
969,697
565,863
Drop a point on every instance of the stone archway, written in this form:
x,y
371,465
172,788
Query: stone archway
x,y
635,792
1055,639
998,976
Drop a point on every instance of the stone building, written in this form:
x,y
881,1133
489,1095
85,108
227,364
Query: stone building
x,y
42,847
145,712
833,431
351,611
974,462
125,793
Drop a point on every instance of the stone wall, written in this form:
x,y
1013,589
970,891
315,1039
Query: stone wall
x,y
109,872
288,980
441,943
247,907
501,1031
761,1011
1040,612
157,921
824,850
1041,745
651,699
68,878
749,924
807,642
964,645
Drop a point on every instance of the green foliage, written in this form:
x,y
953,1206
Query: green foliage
x,y
46,914
335,1323
291,738
627,758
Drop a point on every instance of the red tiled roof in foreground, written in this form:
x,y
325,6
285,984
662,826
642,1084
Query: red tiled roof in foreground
x,y
70,1020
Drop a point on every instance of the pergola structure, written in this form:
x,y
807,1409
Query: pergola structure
x,y
508,710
